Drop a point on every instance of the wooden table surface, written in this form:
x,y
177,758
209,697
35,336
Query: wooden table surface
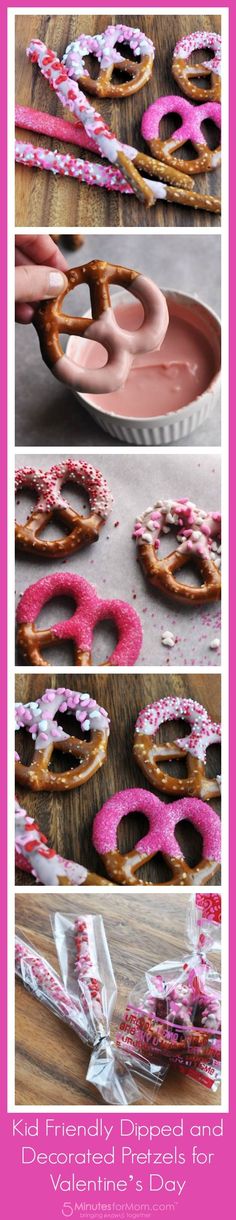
x,y
51,1062
67,818
41,198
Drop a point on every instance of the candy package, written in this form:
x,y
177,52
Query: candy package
x,y
175,1011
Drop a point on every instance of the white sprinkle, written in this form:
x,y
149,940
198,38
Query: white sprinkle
x,y
215,643
168,639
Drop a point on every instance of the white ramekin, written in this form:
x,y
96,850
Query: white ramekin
x,y
177,425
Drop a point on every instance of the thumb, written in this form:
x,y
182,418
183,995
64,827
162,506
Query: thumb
x,y
33,283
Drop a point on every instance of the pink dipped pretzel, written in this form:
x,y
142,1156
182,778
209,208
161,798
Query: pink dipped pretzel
x,y
104,47
71,96
184,72
40,978
121,345
149,753
190,129
198,536
34,856
39,719
163,820
86,966
50,502
90,610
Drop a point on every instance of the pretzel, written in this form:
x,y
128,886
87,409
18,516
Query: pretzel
x,y
184,73
113,179
163,820
90,610
199,537
74,133
190,129
34,856
121,345
149,753
103,46
71,96
50,502
38,717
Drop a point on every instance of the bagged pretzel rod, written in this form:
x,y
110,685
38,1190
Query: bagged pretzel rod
x,y
86,1002
74,133
175,1011
109,176
71,96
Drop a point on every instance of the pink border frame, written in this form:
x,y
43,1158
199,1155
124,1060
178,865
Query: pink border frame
x,y
209,1190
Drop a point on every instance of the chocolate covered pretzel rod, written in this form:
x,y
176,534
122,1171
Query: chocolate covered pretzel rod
x,y
70,95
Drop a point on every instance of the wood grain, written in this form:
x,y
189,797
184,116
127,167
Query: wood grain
x,y
42,199
67,818
51,1062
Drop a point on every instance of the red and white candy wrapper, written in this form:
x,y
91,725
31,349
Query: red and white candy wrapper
x,y
85,997
175,1011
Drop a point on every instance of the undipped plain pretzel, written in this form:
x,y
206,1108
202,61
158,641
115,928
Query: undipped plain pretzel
x,y
38,717
149,753
103,46
90,610
121,345
33,855
50,502
199,538
184,72
163,820
190,129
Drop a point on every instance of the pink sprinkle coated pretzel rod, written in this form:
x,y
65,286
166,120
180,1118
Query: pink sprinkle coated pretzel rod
x,y
108,176
71,96
86,966
40,978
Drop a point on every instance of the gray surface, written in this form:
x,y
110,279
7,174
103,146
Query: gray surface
x,y
111,566
47,412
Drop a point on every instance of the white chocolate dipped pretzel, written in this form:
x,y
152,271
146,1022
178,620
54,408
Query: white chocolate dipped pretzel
x,y
104,47
38,717
50,501
185,73
199,542
102,327
149,753
33,855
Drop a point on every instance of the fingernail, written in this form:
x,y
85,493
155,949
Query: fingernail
x,y
56,280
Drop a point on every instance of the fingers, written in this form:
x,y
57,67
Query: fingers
x,y
37,283
40,250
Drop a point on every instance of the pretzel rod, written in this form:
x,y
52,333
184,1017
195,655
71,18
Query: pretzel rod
x,y
108,176
40,978
74,133
86,965
70,95
34,856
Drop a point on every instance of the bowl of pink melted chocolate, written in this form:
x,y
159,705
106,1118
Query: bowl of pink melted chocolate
x,y
146,363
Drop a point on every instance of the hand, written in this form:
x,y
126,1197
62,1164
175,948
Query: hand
x,y
40,269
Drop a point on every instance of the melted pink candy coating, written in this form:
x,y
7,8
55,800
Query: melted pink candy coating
x,y
162,821
204,732
103,46
121,345
192,119
195,42
90,610
48,484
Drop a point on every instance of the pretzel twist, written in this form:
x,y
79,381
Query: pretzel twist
x,y
50,502
38,718
199,538
190,129
103,46
90,610
163,819
102,327
185,73
149,753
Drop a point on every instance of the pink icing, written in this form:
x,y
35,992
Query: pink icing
x,y
48,484
103,46
90,610
162,820
192,119
195,42
203,731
